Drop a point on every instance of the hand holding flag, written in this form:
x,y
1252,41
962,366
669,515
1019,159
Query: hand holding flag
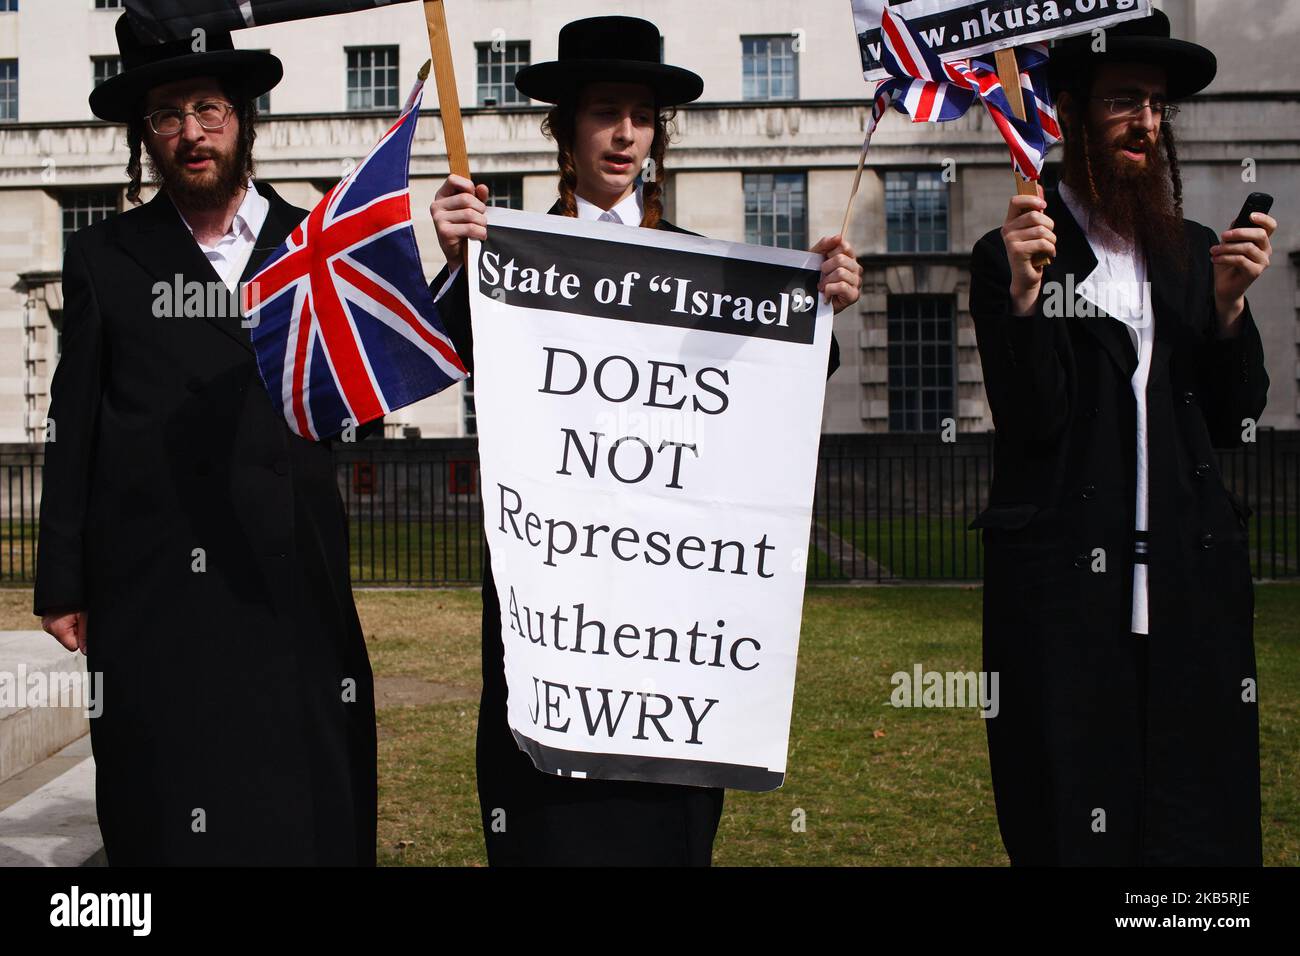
x,y
933,91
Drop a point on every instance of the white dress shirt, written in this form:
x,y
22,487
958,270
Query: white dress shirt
x,y
230,254
1119,288
628,212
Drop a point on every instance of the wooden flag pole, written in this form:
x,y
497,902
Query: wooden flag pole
x,y
1009,77
444,75
857,181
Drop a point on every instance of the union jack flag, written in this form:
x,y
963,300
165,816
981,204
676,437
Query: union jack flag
x,y
343,324
931,90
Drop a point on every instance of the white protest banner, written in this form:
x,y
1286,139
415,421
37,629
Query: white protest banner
x,y
959,29
649,408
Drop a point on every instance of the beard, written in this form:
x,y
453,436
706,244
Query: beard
x,y
1135,201
210,189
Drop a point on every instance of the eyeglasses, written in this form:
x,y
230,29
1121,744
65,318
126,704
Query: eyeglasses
x,y
1128,106
211,115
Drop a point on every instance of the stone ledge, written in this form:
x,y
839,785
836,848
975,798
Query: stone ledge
x,y
29,734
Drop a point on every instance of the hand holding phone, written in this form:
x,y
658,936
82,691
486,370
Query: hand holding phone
x,y
1255,202
1239,261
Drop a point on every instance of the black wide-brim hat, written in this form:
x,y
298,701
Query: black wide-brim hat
x,y
1189,68
146,65
619,49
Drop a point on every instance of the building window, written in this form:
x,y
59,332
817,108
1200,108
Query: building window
x,y
8,6
771,68
105,4
82,207
471,416
922,356
8,90
916,211
776,210
505,191
372,78
105,67
263,103
497,66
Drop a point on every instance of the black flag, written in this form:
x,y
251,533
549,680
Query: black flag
x,y
163,20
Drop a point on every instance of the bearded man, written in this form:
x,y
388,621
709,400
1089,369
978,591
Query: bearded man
x,y
1118,597
190,545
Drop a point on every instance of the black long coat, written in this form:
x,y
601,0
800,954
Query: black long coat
x,y
563,821
1147,737
225,736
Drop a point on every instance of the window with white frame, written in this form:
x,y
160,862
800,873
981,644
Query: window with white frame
x,y
82,207
506,191
8,90
498,62
372,78
916,211
922,362
770,68
776,209
104,68
471,416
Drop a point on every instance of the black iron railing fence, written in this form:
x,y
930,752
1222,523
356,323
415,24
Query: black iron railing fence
x,y
887,508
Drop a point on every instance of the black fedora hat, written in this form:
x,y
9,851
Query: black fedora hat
x,y
1189,68
146,65
623,49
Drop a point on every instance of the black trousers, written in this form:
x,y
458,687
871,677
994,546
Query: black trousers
x,y
531,818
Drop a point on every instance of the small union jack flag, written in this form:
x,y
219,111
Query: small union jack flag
x,y
343,324
931,90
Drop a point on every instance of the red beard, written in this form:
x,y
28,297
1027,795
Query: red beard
x,y
210,189
1135,200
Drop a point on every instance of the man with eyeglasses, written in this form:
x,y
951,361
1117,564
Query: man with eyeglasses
x,y
1118,597
190,545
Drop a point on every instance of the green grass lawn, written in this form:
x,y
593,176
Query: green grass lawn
x,y
915,547
17,549
418,551
877,785
1275,545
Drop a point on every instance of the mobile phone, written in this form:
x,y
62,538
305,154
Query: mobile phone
x,y
1255,202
